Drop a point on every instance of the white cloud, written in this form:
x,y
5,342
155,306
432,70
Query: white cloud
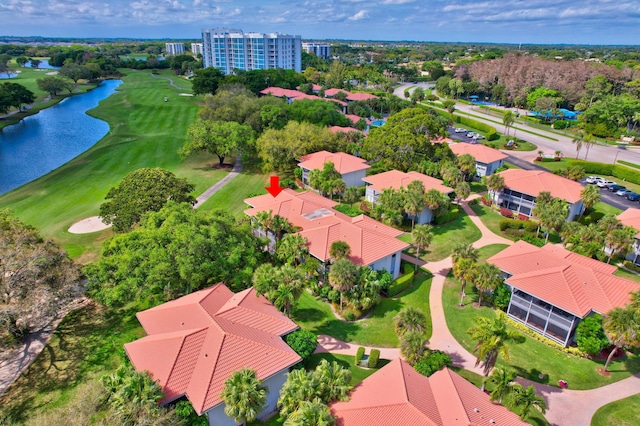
x,y
363,14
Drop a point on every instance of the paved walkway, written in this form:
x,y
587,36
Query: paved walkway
x,y
237,168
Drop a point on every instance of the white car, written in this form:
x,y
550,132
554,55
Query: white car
x,y
604,183
593,179
459,130
470,134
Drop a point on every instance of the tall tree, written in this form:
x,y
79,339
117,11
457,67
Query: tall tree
x,y
311,413
493,338
466,164
525,399
422,235
590,195
75,72
206,80
244,396
414,200
221,138
462,191
143,190
339,250
343,275
495,183
486,279
51,84
620,241
300,386
292,249
465,270
464,251
539,210
502,380
622,327
578,140
412,346
508,119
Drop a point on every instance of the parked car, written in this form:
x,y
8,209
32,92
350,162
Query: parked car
x,y
623,192
615,187
605,183
480,137
633,196
593,179
459,130
471,134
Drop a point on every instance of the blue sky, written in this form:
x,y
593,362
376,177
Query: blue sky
x,y
511,21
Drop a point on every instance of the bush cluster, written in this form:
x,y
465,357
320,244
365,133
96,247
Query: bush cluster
x,y
403,282
526,225
433,362
540,338
359,355
303,342
374,356
590,335
621,172
632,266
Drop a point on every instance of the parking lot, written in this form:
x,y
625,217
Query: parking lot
x,y
612,199
461,136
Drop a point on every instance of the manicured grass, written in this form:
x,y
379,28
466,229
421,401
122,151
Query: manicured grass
x,y
145,132
315,315
606,209
489,218
562,164
625,412
86,345
532,357
488,251
445,238
249,183
629,164
623,273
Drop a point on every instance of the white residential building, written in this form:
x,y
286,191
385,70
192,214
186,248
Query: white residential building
x,y
229,49
321,50
174,48
196,48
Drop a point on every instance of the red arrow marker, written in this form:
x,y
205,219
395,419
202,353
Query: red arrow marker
x,y
275,188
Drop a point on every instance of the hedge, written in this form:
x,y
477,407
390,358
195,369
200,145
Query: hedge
x,y
447,217
527,225
303,342
403,282
490,132
359,355
374,356
621,172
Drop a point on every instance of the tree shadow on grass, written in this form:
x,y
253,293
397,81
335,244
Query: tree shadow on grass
x,y
85,343
341,330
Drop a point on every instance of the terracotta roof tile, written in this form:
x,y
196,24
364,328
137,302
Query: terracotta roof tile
x,y
631,217
567,280
333,92
481,153
395,179
368,239
337,129
360,96
398,395
194,343
533,182
343,162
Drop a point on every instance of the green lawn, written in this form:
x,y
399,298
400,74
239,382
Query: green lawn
x,y
625,412
488,251
445,238
86,345
145,132
623,273
314,315
629,164
489,218
532,357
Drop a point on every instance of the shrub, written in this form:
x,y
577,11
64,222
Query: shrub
x,y
433,362
447,217
359,355
506,212
564,124
531,239
530,226
522,216
590,335
632,266
333,296
303,342
401,283
374,356
350,316
501,297
540,338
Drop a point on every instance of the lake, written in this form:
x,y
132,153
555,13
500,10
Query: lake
x,y
44,64
45,141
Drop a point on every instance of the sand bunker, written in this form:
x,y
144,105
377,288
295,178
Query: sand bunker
x,y
185,94
52,73
90,224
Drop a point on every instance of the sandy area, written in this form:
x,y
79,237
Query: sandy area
x,y
185,94
52,73
90,224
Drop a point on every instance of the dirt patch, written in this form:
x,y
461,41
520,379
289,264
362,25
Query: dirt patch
x,y
88,225
601,372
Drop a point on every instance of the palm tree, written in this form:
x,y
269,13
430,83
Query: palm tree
x,y
486,279
299,386
543,198
588,141
412,346
433,199
333,382
422,236
343,275
493,339
578,140
265,278
414,200
464,251
463,189
282,298
339,250
525,399
292,249
620,240
263,220
466,164
351,195
508,119
495,184
409,319
279,226
622,326
502,379
311,413
451,174
590,195
554,215
635,300
244,396
464,270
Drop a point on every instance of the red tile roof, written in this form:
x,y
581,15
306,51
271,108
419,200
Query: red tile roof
x,y
360,96
333,92
368,239
194,343
354,118
631,217
281,93
533,182
399,395
481,153
343,162
570,281
336,129
395,179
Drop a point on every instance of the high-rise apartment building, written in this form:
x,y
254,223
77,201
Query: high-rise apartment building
x,y
174,48
321,50
196,48
229,49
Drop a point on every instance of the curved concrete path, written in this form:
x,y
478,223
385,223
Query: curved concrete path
x,y
237,168
565,407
